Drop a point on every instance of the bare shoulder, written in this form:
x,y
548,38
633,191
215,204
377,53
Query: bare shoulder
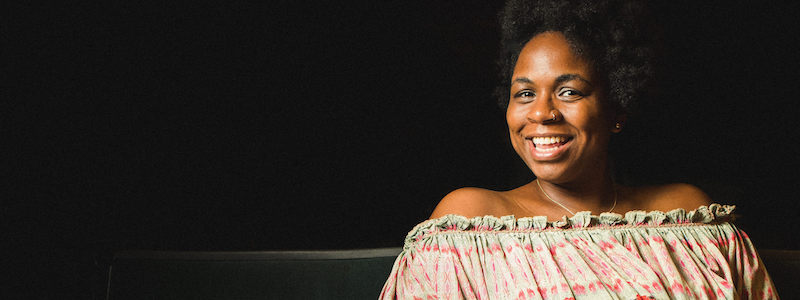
x,y
671,196
468,202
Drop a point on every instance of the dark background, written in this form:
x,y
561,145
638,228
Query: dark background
x,y
331,125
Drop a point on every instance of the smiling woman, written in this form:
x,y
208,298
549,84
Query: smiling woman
x,y
560,123
573,70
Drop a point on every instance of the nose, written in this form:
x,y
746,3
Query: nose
x,y
543,111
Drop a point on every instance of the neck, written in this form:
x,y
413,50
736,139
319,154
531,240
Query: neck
x,y
593,195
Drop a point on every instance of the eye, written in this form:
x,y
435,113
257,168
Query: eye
x,y
568,94
525,95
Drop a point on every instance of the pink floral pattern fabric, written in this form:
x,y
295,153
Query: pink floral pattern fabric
x,y
642,255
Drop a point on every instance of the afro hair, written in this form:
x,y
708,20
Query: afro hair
x,y
616,37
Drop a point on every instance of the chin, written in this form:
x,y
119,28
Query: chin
x,y
549,173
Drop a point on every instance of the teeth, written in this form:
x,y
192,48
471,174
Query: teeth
x,y
549,140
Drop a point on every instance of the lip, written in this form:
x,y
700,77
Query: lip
x,y
550,154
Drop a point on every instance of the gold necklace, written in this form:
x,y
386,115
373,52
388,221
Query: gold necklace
x,y
567,209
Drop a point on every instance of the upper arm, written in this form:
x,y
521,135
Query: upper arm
x,y
468,202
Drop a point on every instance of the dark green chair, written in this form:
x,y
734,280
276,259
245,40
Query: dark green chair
x,y
783,266
332,274
343,274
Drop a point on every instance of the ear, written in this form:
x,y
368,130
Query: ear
x,y
619,122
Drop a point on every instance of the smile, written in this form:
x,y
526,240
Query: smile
x,y
548,147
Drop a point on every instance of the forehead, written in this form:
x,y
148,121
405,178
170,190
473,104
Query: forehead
x,y
550,52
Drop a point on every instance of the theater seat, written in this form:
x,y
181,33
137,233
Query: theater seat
x,y
339,274
331,274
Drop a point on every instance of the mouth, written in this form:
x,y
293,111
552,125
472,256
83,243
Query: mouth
x,y
548,147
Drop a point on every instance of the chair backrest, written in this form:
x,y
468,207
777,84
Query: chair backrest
x,y
329,274
783,266
338,274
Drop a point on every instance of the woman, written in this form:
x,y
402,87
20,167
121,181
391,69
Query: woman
x,y
572,72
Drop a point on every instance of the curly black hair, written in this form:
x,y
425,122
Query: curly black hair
x,y
617,37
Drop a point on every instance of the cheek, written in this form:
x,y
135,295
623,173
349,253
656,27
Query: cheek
x,y
515,118
595,131
515,125
591,124
586,118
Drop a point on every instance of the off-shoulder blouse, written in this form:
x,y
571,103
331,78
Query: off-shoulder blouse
x,y
641,255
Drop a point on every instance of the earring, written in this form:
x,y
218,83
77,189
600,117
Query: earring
x,y
618,125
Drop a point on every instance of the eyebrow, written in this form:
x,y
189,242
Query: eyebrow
x,y
568,77
559,80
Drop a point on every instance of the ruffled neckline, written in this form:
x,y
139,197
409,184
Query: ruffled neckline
x,y
714,213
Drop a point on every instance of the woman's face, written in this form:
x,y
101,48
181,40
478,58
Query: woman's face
x,y
557,116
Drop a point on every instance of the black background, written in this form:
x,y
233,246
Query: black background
x,y
331,125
